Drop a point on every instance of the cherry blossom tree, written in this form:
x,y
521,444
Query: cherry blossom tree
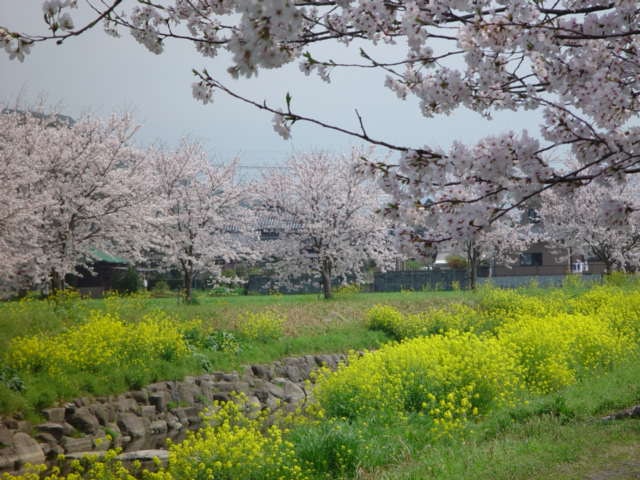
x,y
17,224
579,225
333,229
201,217
70,188
499,242
577,61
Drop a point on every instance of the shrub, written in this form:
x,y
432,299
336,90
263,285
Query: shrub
x,y
233,444
126,304
384,318
347,290
262,326
330,447
449,377
456,316
161,287
456,262
620,279
127,281
555,350
499,304
102,344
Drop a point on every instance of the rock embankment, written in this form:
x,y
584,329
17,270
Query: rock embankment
x,y
146,418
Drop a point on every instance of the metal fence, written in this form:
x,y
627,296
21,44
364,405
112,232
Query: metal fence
x,y
516,281
419,280
264,284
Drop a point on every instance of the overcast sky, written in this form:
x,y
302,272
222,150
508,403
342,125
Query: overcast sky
x,y
99,74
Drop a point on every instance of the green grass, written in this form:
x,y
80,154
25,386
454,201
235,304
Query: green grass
x,y
311,325
558,436
304,314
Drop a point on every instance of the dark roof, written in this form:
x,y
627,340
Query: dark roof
x,y
102,256
279,223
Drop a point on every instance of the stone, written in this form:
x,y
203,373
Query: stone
x,y
273,403
55,415
52,450
103,412
81,455
132,425
112,429
27,449
187,415
223,386
275,387
17,425
135,444
230,377
158,387
82,402
140,396
57,430
632,412
80,444
221,397
146,457
84,420
158,427
69,408
101,442
188,393
68,429
206,386
6,436
262,371
253,401
173,423
125,404
293,393
160,399
294,373
46,437
142,418
147,411
8,459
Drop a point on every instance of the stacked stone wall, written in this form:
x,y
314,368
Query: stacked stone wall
x,y
144,419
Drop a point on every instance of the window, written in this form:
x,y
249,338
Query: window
x,y
531,259
532,215
269,234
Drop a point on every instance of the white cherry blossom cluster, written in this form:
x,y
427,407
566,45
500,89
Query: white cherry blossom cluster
x,y
198,217
325,213
68,188
576,60
598,221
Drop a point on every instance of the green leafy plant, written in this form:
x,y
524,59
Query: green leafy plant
x,y
262,326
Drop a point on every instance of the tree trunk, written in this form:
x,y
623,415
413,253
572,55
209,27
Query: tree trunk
x,y
473,259
326,279
56,281
188,280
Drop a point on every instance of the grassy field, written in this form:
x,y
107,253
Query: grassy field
x,y
305,324
303,314
494,384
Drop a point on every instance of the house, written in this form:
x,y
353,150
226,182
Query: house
x,y
106,268
541,259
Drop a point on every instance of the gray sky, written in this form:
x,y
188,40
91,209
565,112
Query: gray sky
x,y
99,74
